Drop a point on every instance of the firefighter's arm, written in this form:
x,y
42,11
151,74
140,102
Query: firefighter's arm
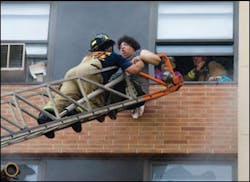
x,y
150,57
190,76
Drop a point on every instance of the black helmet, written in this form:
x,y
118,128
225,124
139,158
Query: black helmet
x,y
100,42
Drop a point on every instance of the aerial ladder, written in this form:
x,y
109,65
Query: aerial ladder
x,y
19,109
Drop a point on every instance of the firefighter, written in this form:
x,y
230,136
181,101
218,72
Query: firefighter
x,y
205,70
101,56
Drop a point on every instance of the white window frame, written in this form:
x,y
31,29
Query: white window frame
x,y
8,57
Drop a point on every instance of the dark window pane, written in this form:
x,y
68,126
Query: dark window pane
x,y
4,51
16,56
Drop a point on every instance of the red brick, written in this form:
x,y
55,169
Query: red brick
x,y
196,119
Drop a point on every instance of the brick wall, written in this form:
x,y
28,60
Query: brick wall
x,y
197,119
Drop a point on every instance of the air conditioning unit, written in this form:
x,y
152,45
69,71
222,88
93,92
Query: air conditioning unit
x,y
12,56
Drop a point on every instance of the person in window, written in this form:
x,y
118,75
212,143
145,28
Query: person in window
x,y
206,70
101,56
162,67
130,48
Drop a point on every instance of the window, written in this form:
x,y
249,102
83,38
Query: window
x,y
195,171
190,29
28,24
16,17
195,168
12,56
77,168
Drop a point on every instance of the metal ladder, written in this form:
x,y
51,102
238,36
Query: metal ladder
x,y
20,109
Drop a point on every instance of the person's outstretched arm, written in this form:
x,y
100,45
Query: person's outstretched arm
x,y
149,57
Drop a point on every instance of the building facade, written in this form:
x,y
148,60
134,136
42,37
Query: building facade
x,y
197,133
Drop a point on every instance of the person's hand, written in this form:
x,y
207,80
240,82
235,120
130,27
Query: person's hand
x,y
199,65
212,78
140,63
136,59
136,67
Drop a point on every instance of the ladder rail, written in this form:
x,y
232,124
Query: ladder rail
x,y
84,94
18,109
51,98
10,122
12,112
68,98
25,110
6,129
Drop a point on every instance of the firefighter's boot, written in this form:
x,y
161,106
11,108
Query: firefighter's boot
x,y
42,118
77,127
113,114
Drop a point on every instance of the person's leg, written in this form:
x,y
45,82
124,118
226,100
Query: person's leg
x,y
137,110
134,113
141,110
114,98
87,67
70,89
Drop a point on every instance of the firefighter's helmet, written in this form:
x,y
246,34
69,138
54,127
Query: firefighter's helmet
x,y
100,42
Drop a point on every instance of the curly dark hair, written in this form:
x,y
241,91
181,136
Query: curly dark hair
x,y
130,41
